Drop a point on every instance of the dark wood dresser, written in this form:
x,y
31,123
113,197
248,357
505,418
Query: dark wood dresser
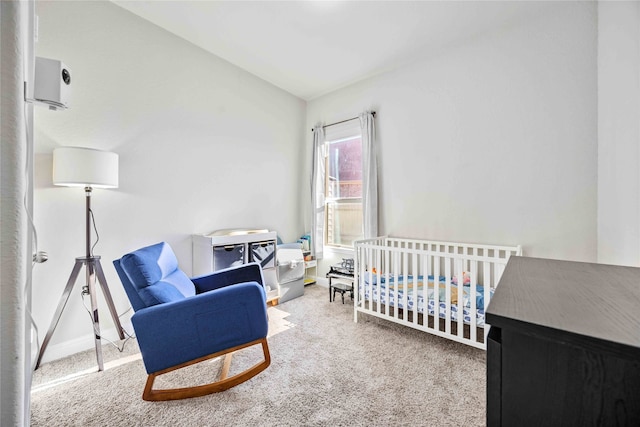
x,y
564,345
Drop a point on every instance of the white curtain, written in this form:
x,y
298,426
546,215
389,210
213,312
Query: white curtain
x,y
317,192
369,176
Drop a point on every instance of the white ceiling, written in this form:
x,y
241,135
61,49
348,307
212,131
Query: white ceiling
x,y
310,48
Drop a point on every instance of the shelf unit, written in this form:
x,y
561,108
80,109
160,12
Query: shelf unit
x,y
312,264
221,250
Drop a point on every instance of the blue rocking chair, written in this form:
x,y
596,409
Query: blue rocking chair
x,y
180,321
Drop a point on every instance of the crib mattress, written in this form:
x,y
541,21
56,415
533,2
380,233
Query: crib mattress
x,y
437,302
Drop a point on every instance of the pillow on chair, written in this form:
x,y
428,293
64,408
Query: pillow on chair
x,y
155,274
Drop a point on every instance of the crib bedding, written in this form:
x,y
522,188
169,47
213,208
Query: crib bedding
x,y
396,298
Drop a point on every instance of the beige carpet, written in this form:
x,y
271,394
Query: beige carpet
x,y
326,370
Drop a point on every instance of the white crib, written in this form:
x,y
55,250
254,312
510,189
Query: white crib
x,y
416,283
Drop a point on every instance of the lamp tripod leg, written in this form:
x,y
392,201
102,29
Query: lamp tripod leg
x,y
107,296
63,302
93,271
91,285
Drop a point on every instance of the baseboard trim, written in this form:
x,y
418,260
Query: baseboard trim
x,y
85,342
322,281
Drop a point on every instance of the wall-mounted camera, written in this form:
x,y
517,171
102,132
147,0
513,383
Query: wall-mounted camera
x,y
52,84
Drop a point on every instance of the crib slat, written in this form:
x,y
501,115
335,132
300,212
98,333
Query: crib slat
x,y
447,275
365,269
460,305
486,269
357,274
369,283
428,271
424,269
375,278
403,278
396,267
387,266
367,287
473,285
436,293
405,286
416,273
374,286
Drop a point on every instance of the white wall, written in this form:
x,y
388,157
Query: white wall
x,y
491,139
619,133
203,146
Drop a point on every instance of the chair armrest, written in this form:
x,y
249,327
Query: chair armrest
x,y
250,272
174,333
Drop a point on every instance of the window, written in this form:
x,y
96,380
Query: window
x,y
343,192
344,183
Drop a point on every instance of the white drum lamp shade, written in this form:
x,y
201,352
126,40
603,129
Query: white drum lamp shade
x,y
85,167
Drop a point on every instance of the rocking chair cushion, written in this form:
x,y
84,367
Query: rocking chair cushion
x,y
154,272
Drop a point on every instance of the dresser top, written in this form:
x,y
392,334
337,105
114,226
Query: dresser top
x,y
565,298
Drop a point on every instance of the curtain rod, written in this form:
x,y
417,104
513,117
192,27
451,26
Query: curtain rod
x,y
343,121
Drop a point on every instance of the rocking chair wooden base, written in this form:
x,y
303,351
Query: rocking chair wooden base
x,y
222,384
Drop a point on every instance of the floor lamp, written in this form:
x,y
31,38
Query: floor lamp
x,y
88,168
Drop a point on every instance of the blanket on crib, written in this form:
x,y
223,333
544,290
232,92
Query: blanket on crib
x,y
434,305
442,287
